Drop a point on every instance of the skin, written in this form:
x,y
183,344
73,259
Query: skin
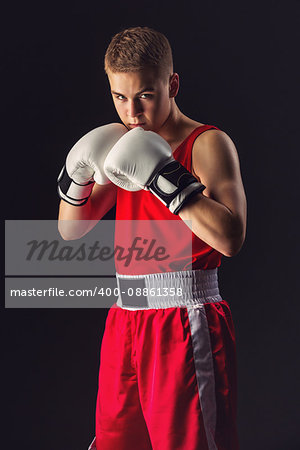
x,y
218,215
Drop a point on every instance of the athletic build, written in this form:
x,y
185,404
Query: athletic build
x,y
197,410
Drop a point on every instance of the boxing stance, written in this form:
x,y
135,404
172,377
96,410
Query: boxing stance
x,y
167,376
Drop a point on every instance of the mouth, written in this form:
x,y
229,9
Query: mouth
x,y
135,125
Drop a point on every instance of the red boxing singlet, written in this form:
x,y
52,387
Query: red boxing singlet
x,y
144,206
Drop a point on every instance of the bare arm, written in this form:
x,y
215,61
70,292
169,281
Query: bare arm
x,y
75,221
218,215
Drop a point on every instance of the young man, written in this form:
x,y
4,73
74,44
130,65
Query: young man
x,y
167,372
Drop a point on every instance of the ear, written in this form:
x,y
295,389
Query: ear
x,y
173,85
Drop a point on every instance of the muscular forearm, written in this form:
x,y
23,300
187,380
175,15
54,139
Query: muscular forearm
x,y
215,224
70,212
74,221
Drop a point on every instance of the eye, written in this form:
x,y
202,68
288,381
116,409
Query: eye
x,y
146,96
120,97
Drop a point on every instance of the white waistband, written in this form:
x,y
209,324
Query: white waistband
x,y
168,290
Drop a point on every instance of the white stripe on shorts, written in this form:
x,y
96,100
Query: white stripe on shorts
x,y
204,370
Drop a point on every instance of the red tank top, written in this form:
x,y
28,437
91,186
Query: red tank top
x,y
186,251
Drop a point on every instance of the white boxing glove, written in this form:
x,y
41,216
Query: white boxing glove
x,y
143,160
84,163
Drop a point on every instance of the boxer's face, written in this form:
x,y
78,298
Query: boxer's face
x,y
142,98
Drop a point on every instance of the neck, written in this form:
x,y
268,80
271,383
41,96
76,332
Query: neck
x,y
172,125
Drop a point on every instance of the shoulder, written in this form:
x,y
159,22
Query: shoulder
x,y
217,140
214,150
215,163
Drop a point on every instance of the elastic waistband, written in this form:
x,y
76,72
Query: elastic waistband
x,y
168,290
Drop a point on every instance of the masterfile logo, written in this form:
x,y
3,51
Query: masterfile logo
x,y
44,270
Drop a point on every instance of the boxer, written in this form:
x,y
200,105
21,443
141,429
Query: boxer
x,y
167,376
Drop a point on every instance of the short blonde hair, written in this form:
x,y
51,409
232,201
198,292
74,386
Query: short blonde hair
x,y
138,48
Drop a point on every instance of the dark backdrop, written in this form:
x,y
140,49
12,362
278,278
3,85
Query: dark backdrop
x,y
239,70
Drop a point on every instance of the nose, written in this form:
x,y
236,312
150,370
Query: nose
x,y
134,108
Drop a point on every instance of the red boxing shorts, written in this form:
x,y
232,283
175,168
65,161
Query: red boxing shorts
x,y
167,377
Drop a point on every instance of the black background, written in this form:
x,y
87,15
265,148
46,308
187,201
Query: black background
x,y
238,66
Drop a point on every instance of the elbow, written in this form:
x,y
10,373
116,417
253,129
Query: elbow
x,y
69,233
234,242
232,251
64,235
